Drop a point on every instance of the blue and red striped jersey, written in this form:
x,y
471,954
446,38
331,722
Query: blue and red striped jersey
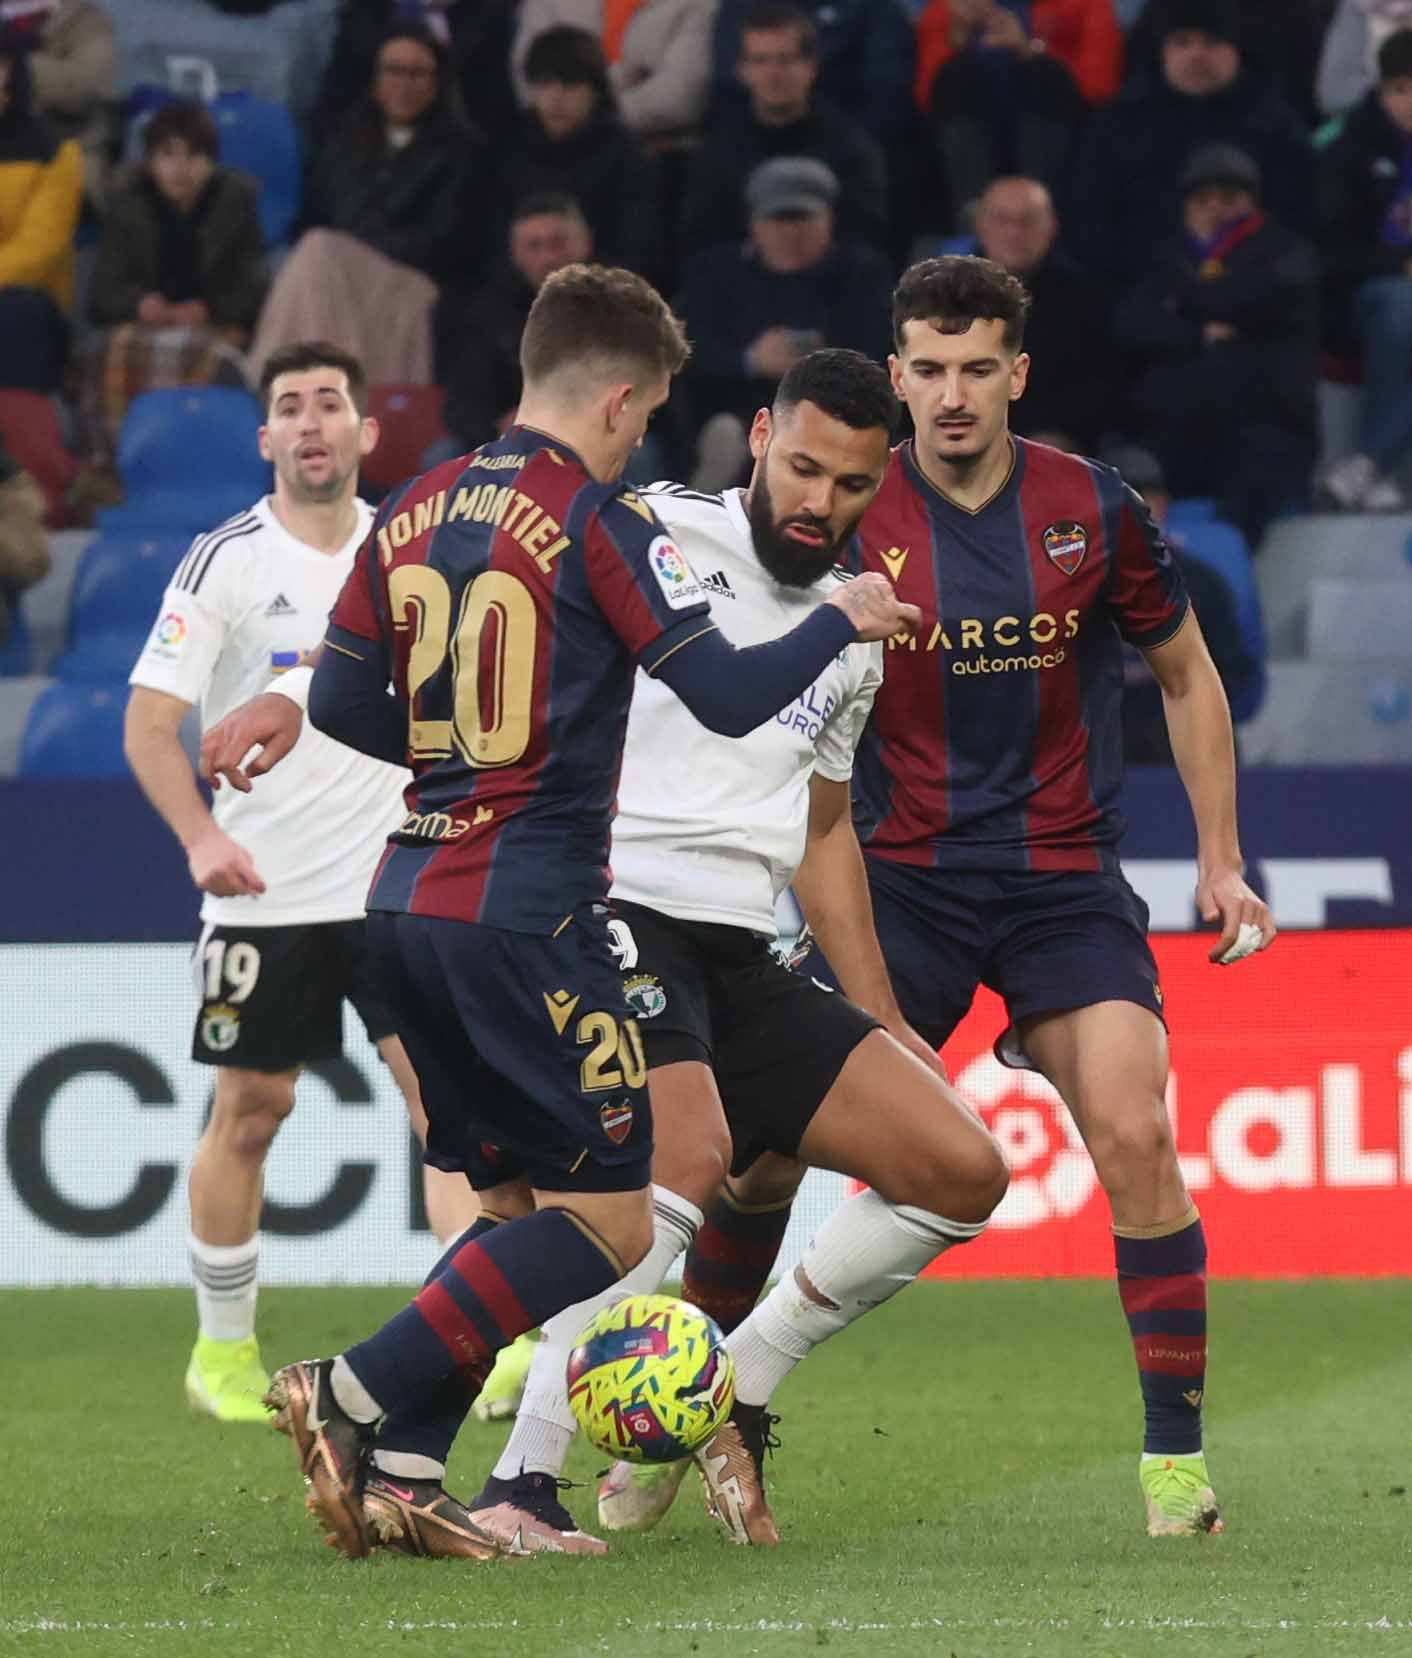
x,y
996,737
516,597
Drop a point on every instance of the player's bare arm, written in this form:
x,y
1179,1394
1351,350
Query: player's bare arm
x,y
218,864
1199,721
832,889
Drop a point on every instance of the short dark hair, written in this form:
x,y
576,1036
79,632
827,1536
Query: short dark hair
x,y
188,123
1395,56
846,385
588,312
781,14
571,56
558,202
954,291
301,355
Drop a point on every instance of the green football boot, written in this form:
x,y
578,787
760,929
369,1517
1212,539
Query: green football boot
x,y
1180,1501
500,1398
227,1380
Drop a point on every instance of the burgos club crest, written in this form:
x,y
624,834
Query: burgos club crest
x,y
1066,543
644,991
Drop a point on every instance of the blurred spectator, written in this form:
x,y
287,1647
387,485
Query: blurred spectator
x,y
1083,35
269,49
999,103
24,546
1365,210
391,184
41,184
1194,91
866,50
1074,392
1280,41
73,63
571,142
752,312
658,52
475,33
1146,741
478,343
179,274
778,67
1224,325
1348,63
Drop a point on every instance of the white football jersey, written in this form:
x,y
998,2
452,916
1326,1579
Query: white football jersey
x,y
245,603
712,828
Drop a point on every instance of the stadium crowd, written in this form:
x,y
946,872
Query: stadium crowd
x,y
1211,201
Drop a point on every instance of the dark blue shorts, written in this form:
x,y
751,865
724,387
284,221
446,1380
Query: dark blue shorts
x,y
526,1050
1044,941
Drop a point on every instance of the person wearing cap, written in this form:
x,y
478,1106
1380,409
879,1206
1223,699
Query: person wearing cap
x,y
752,312
1223,327
778,66
1195,89
1365,237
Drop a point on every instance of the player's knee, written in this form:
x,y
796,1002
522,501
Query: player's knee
x,y
962,1179
1131,1145
248,1110
633,1238
697,1169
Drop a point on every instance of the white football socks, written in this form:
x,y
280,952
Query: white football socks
x,y
544,1427
861,1256
226,1287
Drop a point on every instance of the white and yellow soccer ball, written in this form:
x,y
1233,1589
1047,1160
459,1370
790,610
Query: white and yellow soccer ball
x,y
650,1379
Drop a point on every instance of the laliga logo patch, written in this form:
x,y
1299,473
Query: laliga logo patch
x,y
645,994
1066,544
616,1120
679,586
170,632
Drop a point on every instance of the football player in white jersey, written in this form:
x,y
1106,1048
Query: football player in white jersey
x,y
709,832
284,871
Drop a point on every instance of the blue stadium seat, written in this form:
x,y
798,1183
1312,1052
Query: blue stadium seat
x,y
262,140
117,590
1222,549
75,731
17,652
188,460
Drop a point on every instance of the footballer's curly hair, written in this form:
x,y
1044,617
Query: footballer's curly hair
x,y
588,321
846,385
953,292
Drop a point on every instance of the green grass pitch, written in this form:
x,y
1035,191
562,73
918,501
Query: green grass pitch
x,y
957,1478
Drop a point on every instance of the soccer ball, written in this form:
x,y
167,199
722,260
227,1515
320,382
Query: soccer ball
x,y
650,1379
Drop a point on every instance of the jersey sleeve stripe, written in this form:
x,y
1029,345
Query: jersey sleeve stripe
x,y
198,575
681,644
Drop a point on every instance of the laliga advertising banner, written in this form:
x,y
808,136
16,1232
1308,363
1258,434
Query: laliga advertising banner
x,y
1291,1092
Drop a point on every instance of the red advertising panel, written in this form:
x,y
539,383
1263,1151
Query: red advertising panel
x,y
1291,1091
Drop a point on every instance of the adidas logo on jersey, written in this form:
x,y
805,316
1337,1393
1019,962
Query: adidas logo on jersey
x,y
717,582
280,606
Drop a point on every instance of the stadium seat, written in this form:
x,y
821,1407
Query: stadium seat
x,y
17,697
188,460
410,418
261,139
116,593
17,651
75,731
29,429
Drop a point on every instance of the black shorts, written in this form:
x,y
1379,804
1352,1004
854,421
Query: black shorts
x,y
272,997
527,1053
775,1040
1046,942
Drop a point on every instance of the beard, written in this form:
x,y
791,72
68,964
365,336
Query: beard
x,y
790,563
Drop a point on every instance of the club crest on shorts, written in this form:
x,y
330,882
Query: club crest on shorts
x,y
220,1027
616,1117
1066,543
644,991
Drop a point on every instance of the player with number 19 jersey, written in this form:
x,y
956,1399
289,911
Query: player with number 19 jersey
x,y
518,596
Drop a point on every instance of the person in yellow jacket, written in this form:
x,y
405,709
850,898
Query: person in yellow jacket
x,y
41,184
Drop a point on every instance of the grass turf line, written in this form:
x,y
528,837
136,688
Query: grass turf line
x,y
957,1476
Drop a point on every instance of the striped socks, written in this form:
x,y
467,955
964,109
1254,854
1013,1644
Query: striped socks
x,y
226,1287
732,1258
1162,1283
